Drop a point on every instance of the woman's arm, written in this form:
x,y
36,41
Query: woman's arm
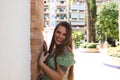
x,y
54,75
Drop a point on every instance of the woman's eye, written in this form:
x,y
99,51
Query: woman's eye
x,y
64,34
58,32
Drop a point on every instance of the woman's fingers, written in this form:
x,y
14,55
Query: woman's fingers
x,y
43,58
46,55
42,54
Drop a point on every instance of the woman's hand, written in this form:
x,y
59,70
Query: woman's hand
x,y
43,58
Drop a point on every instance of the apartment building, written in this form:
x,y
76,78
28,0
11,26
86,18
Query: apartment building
x,y
64,10
56,11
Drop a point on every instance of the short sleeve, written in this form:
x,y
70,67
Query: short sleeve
x,y
65,59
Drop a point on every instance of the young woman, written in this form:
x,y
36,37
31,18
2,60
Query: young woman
x,y
59,62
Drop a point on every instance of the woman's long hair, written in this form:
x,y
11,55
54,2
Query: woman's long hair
x,y
67,42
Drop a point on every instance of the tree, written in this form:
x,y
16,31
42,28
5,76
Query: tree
x,y
107,21
119,20
88,22
91,19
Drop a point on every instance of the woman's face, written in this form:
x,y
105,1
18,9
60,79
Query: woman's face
x,y
60,35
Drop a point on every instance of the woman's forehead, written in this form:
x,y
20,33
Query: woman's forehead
x,y
61,28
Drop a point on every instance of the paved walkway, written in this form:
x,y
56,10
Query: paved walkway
x,y
89,66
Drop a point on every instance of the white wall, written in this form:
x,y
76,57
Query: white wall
x,y
15,40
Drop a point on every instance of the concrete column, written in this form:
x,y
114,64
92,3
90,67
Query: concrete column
x,y
15,40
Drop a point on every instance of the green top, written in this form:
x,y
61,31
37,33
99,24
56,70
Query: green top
x,y
65,60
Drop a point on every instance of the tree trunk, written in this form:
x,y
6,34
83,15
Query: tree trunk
x,y
119,20
37,27
88,22
93,19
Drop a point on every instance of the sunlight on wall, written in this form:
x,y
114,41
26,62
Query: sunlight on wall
x,y
14,39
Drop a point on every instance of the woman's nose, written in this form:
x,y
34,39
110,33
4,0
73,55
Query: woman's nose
x,y
60,35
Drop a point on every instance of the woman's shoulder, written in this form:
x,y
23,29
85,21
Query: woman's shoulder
x,y
66,58
66,52
67,49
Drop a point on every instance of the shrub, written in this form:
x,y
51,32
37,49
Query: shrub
x,y
83,45
114,51
77,36
88,45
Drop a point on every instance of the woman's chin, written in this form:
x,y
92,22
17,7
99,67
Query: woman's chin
x,y
58,43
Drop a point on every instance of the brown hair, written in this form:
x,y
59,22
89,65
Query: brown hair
x,y
67,42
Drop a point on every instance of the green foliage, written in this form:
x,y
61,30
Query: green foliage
x,y
83,45
91,45
114,51
77,36
107,21
88,45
